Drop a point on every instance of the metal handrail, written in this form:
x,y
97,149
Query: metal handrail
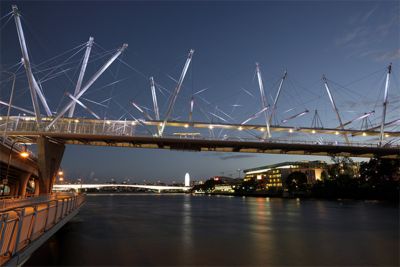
x,y
90,127
19,202
22,225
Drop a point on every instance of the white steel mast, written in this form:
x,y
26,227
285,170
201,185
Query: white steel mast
x,y
334,107
385,102
81,74
264,103
191,110
277,97
88,84
33,86
154,96
83,105
176,92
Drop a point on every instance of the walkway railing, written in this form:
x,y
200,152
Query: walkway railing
x,y
124,128
8,203
20,226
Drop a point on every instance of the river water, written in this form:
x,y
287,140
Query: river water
x,y
184,230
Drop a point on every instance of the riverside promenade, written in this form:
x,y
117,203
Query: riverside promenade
x,y
26,223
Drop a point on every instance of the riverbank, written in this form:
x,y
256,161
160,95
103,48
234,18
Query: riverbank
x,y
303,196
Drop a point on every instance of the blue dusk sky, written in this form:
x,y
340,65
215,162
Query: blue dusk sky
x,y
351,42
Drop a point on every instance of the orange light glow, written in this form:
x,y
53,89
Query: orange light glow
x,y
24,154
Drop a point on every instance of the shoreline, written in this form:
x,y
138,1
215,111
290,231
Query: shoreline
x,y
254,195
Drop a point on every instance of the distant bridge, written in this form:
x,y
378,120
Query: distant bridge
x,y
159,188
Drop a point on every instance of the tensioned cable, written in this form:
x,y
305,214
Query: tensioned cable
x,y
66,60
13,66
366,76
9,13
145,76
61,54
112,87
5,24
63,71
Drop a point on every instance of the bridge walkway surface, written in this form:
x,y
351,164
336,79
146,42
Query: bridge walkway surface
x,y
26,223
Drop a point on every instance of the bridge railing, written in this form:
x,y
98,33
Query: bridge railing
x,y
67,125
8,203
27,125
21,226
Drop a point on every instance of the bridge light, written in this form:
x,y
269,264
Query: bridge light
x,y
364,134
240,128
313,131
76,121
211,127
24,153
186,125
290,130
387,135
161,124
133,123
262,129
336,133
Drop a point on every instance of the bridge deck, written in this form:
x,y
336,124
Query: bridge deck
x,y
123,133
191,144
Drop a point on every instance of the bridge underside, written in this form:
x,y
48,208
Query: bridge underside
x,y
189,144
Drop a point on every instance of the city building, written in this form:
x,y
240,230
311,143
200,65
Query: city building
x,y
275,175
223,188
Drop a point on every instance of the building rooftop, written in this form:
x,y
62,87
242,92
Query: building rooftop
x,y
287,164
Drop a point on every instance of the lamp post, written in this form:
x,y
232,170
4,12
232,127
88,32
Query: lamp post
x,y
239,170
60,175
9,104
23,154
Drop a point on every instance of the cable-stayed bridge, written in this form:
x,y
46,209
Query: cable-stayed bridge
x,y
122,134
207,128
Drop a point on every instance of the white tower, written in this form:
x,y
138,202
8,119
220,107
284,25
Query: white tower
x,y
187,179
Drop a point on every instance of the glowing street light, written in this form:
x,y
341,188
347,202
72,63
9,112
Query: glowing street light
x,y
23,154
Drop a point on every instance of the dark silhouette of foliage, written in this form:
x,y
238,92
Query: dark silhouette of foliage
x,y
296,182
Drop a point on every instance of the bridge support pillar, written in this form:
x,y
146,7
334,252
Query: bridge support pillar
x,y
50,154
23,183
14,189
37,187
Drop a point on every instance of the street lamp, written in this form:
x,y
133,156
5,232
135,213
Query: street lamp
x,y
9,104
60,175
239,170
23,154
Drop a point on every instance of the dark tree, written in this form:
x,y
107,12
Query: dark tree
x,y
341,166
296,182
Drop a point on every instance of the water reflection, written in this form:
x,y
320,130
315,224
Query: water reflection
x,y
186,229
182,230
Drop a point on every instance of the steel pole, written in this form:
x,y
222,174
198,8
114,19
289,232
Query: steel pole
x,y
385,102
